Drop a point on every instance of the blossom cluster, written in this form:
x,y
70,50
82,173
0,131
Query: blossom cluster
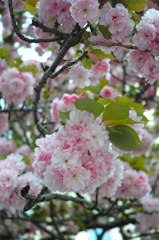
x,y
118,19
82,77
109,188
67,103
76,158
10,178
109,92
148,32
16,86
135,184
146,221
150,203
7,146
144,63
48,11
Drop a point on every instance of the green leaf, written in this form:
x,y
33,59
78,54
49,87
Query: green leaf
x,y
136,106
79,51
30,68
105,101
114,2
93,89
89,105
103,82
100,54
125,121
3,52
136,162
26,159
136,5
63,116
115,111
110,56
2,158
144,119
135,17
132,131
87,63
52,19
105,31
124,100
14,62
86,35
125,139
90,47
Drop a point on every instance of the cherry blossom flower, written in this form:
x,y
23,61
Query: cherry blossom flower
x,y
109,92
6,146
77,157
16,86
85,11
101,68
80,76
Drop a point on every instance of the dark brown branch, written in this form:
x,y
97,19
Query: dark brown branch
x,y
23,129
54,222
74,39
68,65
61,36
33,200
36,22
110,44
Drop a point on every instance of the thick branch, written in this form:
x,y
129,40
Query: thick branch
x,y
74,39
33,200
36,22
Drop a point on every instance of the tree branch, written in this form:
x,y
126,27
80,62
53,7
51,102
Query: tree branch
x,y
110,44
37,23
61,36
74,39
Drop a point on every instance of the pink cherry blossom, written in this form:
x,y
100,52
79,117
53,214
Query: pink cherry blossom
x,y
67,103
16,86
6,146
80,76
150,203
109,188
53,179
85,11
101,68
77,179
117,18
119,21
77,157
109,92
134,185
143,63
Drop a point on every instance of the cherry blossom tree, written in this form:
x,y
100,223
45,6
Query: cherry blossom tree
x,y
77,148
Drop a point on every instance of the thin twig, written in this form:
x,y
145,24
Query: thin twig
x,y
110,44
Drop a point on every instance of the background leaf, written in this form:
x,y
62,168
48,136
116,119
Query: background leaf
x,y
125,138
63,116
100,54
89,105
115,111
